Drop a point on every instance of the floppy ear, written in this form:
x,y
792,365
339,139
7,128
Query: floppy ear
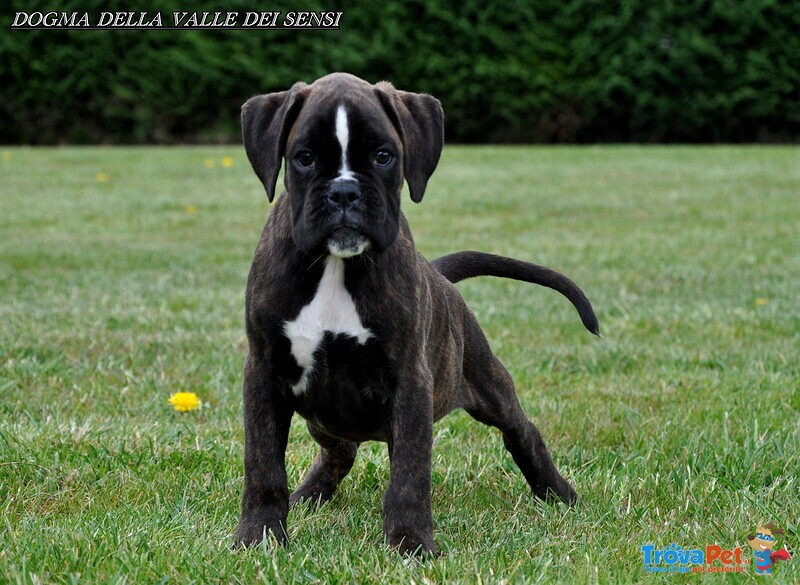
x,y
266,121
419,119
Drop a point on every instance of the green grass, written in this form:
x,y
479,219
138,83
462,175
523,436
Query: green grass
x,y
680,426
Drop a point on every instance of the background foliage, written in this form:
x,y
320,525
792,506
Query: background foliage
x,y
506,71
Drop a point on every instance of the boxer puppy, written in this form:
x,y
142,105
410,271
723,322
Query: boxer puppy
x,y
349,325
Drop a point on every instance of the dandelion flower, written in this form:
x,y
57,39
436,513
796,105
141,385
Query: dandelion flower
x,y
762,301
6,155
184,401
208,163
101,177
190,209
227,161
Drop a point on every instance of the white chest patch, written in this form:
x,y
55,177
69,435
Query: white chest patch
x,y
332,309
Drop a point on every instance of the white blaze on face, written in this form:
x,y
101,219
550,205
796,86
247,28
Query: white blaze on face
x,y
343,136
332,309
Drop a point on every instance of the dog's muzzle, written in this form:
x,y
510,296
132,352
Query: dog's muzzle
x,y
343,199
346,242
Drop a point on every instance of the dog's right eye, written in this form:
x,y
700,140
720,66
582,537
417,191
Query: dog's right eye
x,y
305,158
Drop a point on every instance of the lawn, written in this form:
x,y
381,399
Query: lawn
x,y
122,275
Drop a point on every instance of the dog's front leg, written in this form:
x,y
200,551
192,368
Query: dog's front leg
x,y
407,514
267,416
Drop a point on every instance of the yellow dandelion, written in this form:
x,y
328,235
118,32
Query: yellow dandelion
x,y
761,301
227,161
184,401
101,177
190,209
208,163
6,155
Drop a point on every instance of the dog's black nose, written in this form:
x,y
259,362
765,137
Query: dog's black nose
x,y
343,195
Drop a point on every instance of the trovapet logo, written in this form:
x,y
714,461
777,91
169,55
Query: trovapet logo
x,y
715,559
676,559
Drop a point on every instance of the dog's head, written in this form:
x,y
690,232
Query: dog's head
x,y
347,145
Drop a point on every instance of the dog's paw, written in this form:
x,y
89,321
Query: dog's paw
x,y
250,533
413,545
557,491
564,493
313,495
571,498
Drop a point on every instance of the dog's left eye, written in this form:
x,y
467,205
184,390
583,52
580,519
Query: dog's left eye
x,y
382,158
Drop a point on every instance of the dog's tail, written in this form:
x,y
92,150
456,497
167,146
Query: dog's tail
x,y
462,265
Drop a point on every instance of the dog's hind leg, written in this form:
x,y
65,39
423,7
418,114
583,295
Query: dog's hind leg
x,y
331,465
490,398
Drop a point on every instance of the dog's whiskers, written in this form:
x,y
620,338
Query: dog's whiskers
x,y
320,257
375,264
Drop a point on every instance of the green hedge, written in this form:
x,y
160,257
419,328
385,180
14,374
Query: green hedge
x,y
506,71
